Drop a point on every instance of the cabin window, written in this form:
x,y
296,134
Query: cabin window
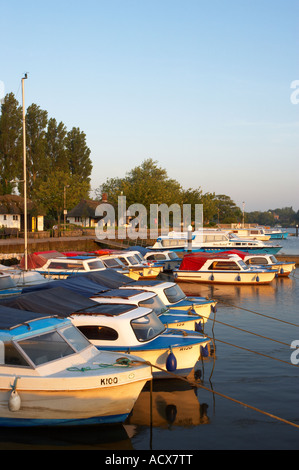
x,y
13,357
227,266
147,327
155,304
75,338
46,348
59,265
174,294
112,263
257,260
157,256
99,333
124,261
96,265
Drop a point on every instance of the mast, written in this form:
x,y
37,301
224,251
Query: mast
x,y
25,177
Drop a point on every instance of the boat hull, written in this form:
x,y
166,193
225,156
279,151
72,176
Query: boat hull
x,y
232,277
42,408
186,352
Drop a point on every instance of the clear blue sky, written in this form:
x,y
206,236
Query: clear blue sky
x,y
203,87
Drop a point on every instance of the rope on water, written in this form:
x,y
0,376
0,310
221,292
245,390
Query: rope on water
x,y
258,313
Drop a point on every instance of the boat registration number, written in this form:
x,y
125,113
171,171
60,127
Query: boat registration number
x,y
109,380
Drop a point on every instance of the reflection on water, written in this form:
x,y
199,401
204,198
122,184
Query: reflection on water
x,y
170,403
96,437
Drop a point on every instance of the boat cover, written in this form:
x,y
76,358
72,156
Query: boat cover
x,y
11,317
109,278
120,293
62,303
39,259
54,301
194,262
79,283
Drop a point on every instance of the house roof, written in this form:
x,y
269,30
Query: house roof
x,y
13,204
85,208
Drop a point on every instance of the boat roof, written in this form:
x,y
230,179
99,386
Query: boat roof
x,y
124,293
12,317
197,260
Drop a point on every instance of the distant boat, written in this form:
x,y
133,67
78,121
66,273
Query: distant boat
x,y
252,233
51,375
282,268
210,241
221,268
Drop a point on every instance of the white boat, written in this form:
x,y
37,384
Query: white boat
x,y
122,328
63,267
149,299
252,234
23,278
221,268
210,241
51,375
113,262
276,233
8,287
168,259
178,303
282,268
137,330
133,259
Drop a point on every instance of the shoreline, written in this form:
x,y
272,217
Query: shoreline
x,y
14,248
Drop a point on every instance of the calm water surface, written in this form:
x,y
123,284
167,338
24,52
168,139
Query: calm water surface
x,y
180,415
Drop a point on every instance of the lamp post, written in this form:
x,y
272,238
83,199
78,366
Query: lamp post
x,y
25,176
64,204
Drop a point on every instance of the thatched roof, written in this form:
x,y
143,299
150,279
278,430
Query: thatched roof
x,y
85,208
13,204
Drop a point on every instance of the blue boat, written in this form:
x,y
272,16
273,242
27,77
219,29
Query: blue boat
x,y
210,241
122,328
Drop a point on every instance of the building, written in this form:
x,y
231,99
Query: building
x,y
12,215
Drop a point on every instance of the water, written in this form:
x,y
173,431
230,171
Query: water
x,y
184,417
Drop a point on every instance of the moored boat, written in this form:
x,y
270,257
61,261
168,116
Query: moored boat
x,y
282,268
51,375
211,241
221,268
121,328
8,287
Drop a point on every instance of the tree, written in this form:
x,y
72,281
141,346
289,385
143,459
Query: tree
x,y
56,145
78,154
11,138
50,193
37,162
228,211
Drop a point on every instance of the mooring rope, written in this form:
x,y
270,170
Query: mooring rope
x,y
256,313
197,385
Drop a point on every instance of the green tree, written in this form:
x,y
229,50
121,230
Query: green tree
x,y
11,138
78,154
50,193
37,162
56,145
228,211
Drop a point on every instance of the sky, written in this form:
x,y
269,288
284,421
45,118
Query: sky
x,y
203,87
